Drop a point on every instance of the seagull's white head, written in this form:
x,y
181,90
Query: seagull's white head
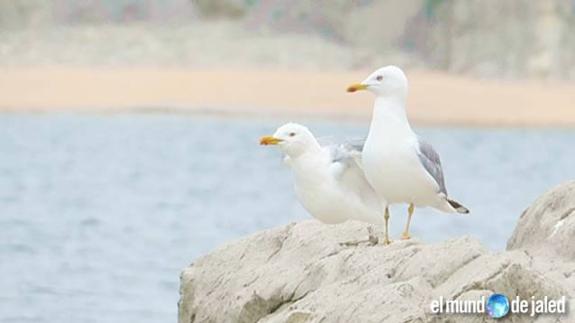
x,y
388,81
292,138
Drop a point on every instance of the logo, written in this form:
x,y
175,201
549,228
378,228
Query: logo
x,y
497,306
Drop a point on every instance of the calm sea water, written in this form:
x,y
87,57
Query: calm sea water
x,y
99,214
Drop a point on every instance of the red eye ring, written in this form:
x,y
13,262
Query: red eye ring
x,y
379,78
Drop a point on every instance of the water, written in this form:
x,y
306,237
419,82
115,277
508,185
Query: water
x,y
99,214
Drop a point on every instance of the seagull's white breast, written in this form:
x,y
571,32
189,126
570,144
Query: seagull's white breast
x,y
393,168
324,197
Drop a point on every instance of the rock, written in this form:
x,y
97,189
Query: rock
x,y
548,225
301,273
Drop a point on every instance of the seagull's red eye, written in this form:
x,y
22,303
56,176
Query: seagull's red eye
x,y
379,78
291,134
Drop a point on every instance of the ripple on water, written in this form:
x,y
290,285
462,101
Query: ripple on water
x,y
100,213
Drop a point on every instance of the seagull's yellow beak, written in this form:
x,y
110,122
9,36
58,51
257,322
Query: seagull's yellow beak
x,y
269,140
356,87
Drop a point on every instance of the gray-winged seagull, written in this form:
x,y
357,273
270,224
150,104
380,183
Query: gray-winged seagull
x,y
329,182
400,166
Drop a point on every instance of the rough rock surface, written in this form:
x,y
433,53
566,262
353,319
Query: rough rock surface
x,y
549,224
301,273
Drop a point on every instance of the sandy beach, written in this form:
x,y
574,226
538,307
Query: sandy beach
x,y
435,98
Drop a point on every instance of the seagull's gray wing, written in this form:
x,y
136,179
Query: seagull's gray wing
x,y
348,151
347,170
355,145
349,144
429,158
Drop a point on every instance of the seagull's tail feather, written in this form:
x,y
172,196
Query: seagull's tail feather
x,y
458,207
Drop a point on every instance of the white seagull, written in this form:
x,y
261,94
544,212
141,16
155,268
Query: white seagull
x,y
400,166
329,182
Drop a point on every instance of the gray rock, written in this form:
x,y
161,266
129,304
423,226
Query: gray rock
x,y
548,226
301,273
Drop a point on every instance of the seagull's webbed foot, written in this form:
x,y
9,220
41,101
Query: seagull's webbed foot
x,y
405,235
386,242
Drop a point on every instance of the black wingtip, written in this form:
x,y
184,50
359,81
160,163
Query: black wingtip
x,y
458,207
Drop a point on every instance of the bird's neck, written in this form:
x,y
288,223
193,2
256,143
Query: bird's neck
x,y
310,167
389,116
303,152
297,150
313,147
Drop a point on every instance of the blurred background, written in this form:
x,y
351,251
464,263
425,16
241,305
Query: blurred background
x,y
129,129
508,39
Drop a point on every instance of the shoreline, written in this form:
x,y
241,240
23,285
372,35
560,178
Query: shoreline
x,y
435,98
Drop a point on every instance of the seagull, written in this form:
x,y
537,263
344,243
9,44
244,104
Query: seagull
x,y
329,181
400,166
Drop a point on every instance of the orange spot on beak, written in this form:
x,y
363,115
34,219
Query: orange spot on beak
x,y
269,140
356,87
